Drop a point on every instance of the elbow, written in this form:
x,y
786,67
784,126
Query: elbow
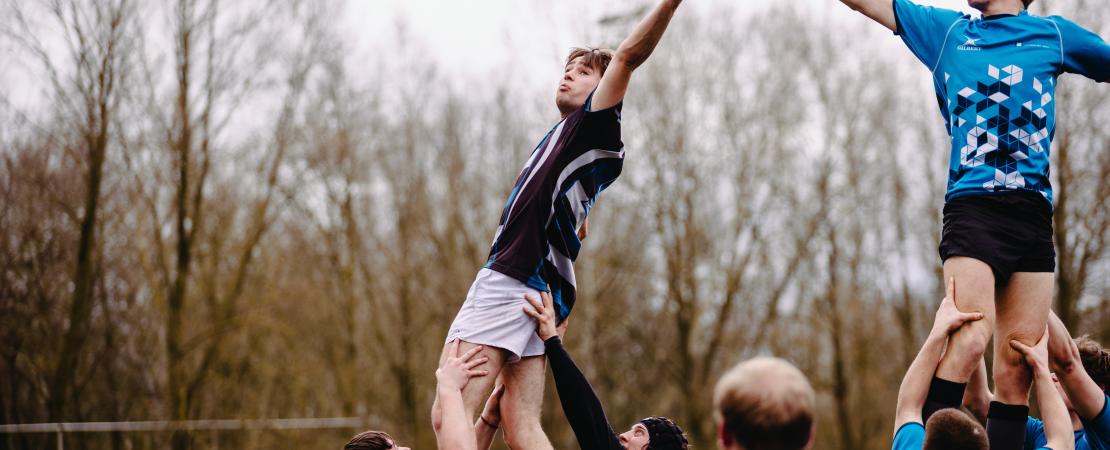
x,y
854,4
628,59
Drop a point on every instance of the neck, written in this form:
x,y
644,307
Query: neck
x,y
996,8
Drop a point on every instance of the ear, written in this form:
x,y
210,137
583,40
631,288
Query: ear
x,y
724,439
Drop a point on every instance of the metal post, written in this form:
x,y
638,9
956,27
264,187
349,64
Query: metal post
x,y
59,438
215,438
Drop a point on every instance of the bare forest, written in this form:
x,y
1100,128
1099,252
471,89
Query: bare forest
x,y
210,212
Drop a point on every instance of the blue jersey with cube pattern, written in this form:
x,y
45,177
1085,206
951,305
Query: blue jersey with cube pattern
x,y
995,80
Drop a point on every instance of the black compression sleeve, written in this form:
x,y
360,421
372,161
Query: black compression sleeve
x,y
580,404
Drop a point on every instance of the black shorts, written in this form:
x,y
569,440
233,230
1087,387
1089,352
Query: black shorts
x,y
1010,232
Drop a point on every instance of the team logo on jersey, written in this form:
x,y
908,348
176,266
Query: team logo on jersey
x,y
969,45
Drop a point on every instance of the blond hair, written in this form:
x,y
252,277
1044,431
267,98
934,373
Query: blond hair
x,y
766,404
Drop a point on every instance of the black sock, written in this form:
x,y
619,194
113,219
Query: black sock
x,y
1006,426
942,394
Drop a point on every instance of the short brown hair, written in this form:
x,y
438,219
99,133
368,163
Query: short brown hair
x,y
370,440
1027,2
766,404
1096,360
595,58
952,429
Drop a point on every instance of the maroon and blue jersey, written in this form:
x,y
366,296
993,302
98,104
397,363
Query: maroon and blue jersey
x,y
537,236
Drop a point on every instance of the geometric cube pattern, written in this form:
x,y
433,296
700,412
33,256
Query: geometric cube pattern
x,y
998,136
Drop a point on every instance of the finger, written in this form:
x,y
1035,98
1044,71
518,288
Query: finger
x,y
1019,347
498,391
470,353
951,288
1044,337
476,362
531,312
535,302
548,301
970,317
454,351
477,373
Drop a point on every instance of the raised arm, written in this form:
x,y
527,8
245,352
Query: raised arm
x,y
631,54
978,396
454,431
580,404
881,11
1063,357
1057,421
915,385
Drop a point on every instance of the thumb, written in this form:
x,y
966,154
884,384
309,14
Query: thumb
x,y
1020,347
971,317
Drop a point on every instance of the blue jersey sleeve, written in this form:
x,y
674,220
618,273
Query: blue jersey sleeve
x,y
1034,434
1097,429
924,29
910,437
1084,52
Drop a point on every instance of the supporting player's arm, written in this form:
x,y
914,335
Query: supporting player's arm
x,y
1063,358
1057,421
978,396
635,49
915,385
881,11
454,431
581,405
486,426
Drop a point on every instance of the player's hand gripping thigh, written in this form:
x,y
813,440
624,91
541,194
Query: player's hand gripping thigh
x,y
975,293
1023,307
476,391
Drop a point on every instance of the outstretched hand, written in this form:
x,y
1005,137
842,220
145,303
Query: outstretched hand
x,y
1036,356
458,370
949,318
543,310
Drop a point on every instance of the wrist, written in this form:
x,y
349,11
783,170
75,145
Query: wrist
x,y
489,422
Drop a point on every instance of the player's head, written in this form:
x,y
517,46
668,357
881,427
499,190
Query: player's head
x,y
581,74
1096,361
983,4
372,440
952,429
654,433
764,404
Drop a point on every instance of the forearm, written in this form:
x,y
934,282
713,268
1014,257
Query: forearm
x,y
1087,398
638,46
915,385
455,432
580,404
484,434
881,11
1057,421
978,396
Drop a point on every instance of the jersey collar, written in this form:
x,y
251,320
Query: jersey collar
x,y
1003,16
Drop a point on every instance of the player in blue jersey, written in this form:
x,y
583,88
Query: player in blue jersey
x,y
995,79
540,230
950,429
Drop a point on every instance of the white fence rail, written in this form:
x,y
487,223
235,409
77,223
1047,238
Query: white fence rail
x,y
212,425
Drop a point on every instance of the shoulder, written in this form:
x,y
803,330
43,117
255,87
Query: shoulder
x,y
910,436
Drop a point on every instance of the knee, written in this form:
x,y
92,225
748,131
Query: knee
x,y
970,343
520,434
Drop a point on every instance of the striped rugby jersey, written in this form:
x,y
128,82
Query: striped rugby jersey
x,y
537,240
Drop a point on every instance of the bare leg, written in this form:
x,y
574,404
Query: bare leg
x,y
521,405
475,392
1023,308
974,292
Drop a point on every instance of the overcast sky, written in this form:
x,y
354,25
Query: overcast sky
x,y
473,35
